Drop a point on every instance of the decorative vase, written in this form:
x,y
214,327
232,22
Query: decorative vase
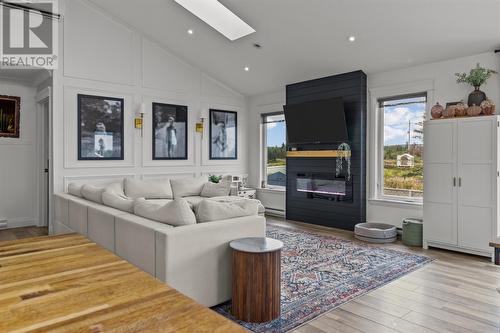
x,y
450,111
474,110
488,107
460,109
437,111
476,97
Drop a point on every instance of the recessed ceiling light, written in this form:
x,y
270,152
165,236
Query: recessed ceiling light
x,y
213,13
247,69
352,38
190,31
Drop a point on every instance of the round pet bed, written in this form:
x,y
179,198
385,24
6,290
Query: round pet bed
x,y
375,232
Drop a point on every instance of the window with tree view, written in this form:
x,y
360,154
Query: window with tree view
x,y
403,142
275,149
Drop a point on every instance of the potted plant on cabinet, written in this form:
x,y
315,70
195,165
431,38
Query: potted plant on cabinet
x,y
476,78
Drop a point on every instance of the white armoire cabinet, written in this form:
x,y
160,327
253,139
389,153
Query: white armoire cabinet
x,y
461,183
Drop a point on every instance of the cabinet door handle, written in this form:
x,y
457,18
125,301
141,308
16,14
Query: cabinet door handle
x,y
459,181
454,181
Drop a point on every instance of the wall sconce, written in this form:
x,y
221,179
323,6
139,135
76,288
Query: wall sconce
x,y
139,122
200,126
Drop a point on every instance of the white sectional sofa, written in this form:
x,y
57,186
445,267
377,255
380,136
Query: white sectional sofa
x,y
195,258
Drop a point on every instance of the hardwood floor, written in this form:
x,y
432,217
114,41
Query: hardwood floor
x,y
20,233
455,293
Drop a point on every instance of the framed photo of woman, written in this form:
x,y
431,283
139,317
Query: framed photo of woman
x,y
170,132
223,135
100,128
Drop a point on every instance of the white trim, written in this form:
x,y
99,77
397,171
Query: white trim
x,y
376,136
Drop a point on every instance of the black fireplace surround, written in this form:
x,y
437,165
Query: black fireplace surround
x,y
315,193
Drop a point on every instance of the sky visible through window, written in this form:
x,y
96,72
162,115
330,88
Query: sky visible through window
x,y
401,116
276,134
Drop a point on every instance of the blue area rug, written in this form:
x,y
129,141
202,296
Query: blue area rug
x,y
319,273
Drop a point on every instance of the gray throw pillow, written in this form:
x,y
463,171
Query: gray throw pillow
x,y
75,189
211,190
186,187
113,196
176,212
92,193
154,189
210,210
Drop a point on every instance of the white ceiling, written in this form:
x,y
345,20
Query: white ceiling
x,y
30,77
305,39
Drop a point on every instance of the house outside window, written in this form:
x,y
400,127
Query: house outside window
x,y
401,147
274,150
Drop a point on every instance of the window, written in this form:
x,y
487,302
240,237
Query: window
x,y
401,147
274,148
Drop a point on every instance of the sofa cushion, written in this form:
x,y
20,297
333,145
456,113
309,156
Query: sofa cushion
x,y
194,201
215,190
157,189
233,198
75,189
176,213
119,201
211,210
185,187
92,193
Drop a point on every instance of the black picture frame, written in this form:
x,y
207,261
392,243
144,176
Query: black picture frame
x,y
100,113
229,119
164,150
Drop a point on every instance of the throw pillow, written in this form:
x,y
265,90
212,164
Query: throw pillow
x,y
211,190
185,187
113,196
175,213
92,193
75,189
157,189
210,210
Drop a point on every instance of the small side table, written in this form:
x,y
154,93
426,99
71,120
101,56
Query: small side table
x,y
256,279
246,192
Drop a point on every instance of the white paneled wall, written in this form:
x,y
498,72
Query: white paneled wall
x,y
103,56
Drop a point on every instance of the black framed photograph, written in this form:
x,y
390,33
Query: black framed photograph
x,y
100,128
170,132
223,135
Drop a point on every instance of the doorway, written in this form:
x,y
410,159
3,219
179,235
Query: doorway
x,y
43,173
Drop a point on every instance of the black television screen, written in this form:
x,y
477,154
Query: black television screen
x,y
320,121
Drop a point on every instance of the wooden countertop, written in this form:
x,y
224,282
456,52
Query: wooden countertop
x,y
66,283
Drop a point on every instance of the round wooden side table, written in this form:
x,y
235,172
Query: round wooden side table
x,y
256,279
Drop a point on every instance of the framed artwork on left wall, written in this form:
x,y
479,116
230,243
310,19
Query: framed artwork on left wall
x,y
10,116
100,128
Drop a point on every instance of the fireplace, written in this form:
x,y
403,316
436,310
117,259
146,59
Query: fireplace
x,y
322,186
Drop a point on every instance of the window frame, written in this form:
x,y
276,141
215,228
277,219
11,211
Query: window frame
x,y
264,150
375,134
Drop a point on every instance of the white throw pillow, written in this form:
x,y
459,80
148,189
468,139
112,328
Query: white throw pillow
x,y
176,212
92,193
211,190
157,189
113,196
211,210
185,187
75,189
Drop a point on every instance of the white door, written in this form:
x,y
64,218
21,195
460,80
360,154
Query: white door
x,y
477,181
440,182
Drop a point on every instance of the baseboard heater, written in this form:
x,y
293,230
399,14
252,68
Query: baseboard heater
x,y
318,153
275,212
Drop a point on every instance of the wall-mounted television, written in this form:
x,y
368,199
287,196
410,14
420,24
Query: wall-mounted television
x,y
316,122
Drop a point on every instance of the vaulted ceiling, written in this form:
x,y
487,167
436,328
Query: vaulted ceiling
x,y
305,39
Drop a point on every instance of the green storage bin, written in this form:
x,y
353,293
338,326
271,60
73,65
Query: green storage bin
x,y
412,232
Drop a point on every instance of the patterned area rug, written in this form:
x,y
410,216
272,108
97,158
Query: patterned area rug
x,y
319,273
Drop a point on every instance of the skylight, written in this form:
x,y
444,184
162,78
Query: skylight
x,y
213,13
